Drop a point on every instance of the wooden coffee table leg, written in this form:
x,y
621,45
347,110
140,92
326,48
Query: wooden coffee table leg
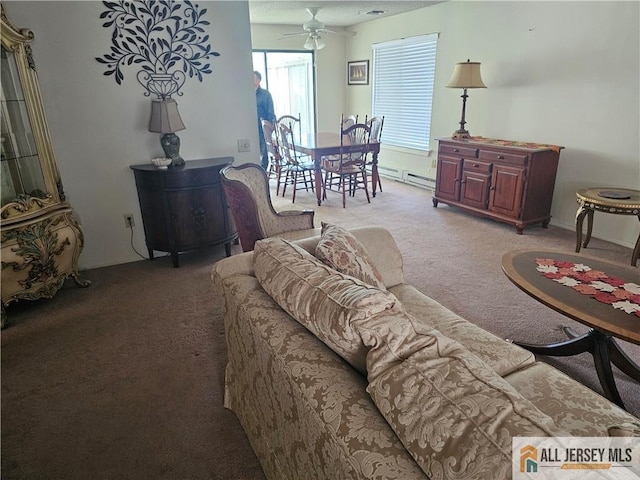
x,y
602,363
623,361
568,348
604,351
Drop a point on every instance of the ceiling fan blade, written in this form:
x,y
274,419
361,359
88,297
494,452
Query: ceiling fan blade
x,y
341,33
293,34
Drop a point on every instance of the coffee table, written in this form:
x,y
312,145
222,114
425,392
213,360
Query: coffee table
x,y
605,322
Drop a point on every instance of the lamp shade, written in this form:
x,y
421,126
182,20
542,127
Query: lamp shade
x,y
165,117
466,75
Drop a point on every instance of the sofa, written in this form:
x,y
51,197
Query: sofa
x,y
338,369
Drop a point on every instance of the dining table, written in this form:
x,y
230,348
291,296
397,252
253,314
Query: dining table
x,y
321,144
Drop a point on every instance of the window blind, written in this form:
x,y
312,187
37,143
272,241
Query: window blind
x,y
403,75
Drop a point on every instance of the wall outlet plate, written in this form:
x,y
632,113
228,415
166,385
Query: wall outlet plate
x,y
244,145
128,220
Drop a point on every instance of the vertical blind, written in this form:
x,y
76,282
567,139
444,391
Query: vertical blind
x,y
402,89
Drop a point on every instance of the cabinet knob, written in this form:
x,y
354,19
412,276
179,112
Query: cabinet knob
x,y
500,157
492,188
475,165
456,150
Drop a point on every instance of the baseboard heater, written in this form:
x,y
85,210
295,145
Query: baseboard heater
x,y
419,180
407,177
390,172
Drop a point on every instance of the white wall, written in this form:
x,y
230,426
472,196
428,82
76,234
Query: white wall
x,y
99,128
564,73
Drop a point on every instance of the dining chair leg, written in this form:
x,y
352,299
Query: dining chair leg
x,y
364,182
278,179
344,192
295,186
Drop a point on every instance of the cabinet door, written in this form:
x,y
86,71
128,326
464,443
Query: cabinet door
x,y
197,216
448,177
474,190
507,185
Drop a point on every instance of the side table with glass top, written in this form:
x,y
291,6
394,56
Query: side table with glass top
x,y
619,201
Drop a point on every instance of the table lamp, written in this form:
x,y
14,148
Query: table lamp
x,y
165,119
465,75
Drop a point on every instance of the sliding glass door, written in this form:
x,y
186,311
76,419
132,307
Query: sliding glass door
x,y
288,75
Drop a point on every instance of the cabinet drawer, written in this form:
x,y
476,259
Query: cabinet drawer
x,y
458,151
510,158
194,178
476,166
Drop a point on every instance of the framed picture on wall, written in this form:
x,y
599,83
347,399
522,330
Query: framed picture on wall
x,y
358,72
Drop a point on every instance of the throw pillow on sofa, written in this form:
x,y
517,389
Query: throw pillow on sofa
x,y
325,301
342,251
453,414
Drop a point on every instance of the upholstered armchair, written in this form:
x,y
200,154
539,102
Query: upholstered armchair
x,y
247,190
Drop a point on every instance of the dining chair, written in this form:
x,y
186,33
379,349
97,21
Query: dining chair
x,y
277,168
299,170
375,123
351,163
246,188
348,121
291,120
345,122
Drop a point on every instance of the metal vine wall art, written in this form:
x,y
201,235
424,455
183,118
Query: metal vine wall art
x,y
165,38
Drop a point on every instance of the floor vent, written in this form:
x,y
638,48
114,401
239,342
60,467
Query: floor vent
x,y
419,180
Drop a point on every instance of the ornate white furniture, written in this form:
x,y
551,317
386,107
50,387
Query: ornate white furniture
x,y
41,240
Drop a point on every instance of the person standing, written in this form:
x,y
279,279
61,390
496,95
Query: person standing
x,y
264,103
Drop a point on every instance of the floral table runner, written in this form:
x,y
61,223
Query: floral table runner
x,y
615,291
514,143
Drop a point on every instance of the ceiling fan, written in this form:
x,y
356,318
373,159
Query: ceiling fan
x,y
313,29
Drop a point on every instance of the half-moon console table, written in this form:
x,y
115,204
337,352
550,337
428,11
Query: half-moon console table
x,y
184,208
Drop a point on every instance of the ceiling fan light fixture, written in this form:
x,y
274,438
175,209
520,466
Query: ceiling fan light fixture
x,y
309,44
314,42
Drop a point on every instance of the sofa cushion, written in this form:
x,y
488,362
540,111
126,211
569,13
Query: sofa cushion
x,y
320,298
455,416
573,407
342,251
503,357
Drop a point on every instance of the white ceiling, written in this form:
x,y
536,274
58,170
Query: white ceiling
x,y
331,13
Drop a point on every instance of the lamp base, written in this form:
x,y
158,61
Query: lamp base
x,y
460,134
171,145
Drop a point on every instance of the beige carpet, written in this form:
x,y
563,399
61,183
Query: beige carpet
x,y
124,380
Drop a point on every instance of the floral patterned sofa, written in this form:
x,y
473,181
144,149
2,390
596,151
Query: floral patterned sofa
x,y
337,369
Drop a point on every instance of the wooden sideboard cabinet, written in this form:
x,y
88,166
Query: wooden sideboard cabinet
x,y
184,208
511,182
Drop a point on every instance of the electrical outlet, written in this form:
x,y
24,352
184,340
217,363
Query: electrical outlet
x,y
128,220
244,145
